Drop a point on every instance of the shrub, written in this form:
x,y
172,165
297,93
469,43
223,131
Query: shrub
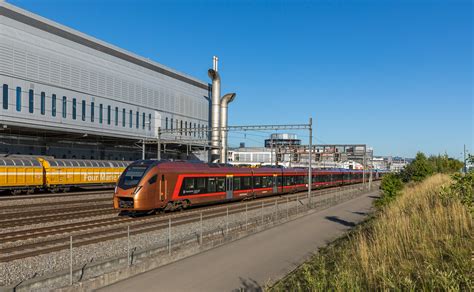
x,y
391,187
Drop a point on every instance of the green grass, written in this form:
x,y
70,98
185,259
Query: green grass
x,y
422,240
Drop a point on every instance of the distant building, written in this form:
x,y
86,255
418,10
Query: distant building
x,y
282,140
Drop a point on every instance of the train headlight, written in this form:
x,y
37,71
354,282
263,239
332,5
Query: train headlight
x,y
137,189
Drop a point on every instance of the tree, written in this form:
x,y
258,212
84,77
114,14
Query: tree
x,y
418,169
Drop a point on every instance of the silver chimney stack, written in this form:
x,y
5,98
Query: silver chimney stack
x,y
226,99
215,110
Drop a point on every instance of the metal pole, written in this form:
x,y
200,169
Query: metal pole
x,y
70,260
227,221
143,149
464,159
128,245
246,216
310,182
262,213
158,145
287,208
297,203
169,236
200,231
276,209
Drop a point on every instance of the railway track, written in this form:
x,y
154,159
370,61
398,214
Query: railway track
x,y
95,231
63,214
52,204
54,195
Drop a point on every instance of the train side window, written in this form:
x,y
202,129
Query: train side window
x,y
201,184
221,184
237,184
211,185
246,183
257,182
153,179
279,180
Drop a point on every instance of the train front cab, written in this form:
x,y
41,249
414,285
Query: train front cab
x,y
141,187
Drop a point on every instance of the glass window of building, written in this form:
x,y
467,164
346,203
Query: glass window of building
x,y
116,115
149,122
143,121
101,113
53,105
5,96
43,103
123,117
18,99
31,101
137,120
166,123
64,107
171,123
185,128
131,119
74,108
109,109
92,111
83,110
181,127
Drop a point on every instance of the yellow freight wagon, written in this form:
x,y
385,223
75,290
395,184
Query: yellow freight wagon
x,y
21,174
62,173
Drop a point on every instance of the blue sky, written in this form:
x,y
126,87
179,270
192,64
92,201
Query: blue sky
x,y
396,75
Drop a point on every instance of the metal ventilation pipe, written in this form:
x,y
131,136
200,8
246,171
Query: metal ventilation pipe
x,y
215,110
226,99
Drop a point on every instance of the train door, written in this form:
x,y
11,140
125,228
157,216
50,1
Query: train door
x,y
229,187
275,184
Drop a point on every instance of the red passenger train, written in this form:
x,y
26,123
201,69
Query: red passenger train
x,y
151,185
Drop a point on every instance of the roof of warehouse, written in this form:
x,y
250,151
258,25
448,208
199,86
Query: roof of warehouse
x,y
57,29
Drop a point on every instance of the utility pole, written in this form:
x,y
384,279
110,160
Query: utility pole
x,y
310,183
158,145
464,159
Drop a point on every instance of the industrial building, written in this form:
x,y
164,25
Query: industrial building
x,y
69,95
286,150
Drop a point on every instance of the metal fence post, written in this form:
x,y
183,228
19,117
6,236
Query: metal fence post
x,y
246,216
128,245
200,231
262,213
287,208
169,236
70,260
297,203
227,221
276,210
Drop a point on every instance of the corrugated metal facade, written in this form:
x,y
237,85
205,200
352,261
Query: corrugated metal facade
x,y
57,78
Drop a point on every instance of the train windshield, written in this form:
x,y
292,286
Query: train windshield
x,y
132,176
